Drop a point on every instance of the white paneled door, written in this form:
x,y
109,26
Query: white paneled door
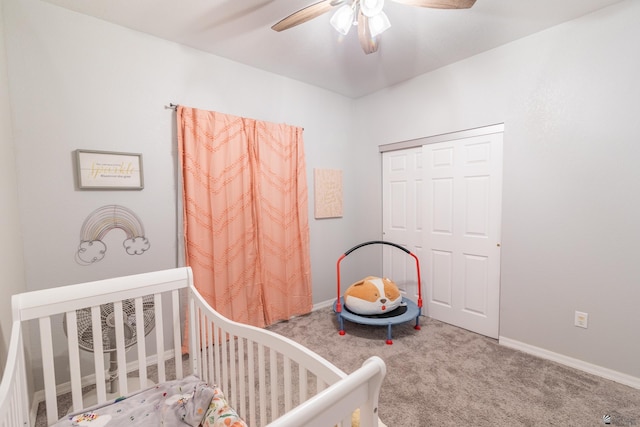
x,y
458,212
402,217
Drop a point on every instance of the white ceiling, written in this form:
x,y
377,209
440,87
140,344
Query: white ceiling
x,y
419,40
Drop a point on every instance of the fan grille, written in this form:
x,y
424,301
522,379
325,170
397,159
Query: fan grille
x,y
108,321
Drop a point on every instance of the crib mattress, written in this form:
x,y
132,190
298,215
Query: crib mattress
x,y
186,402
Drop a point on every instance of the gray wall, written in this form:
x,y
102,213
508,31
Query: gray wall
x,y
78,82
568,98
11,262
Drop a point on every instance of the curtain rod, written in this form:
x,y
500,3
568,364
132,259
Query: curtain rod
x,y
174,107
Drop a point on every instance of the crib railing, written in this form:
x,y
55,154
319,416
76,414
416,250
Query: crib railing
x,y
44,310
263,374
14,398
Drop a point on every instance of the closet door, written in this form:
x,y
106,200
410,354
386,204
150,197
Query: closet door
x,y
463,203
403,216
443,202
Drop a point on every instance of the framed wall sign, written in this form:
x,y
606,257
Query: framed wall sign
x,y
108,170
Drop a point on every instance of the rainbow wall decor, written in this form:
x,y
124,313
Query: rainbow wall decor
x,y
100,222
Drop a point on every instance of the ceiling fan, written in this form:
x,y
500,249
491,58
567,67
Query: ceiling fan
x,y
367,15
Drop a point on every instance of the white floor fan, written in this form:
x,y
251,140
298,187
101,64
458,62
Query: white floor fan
x,y
108,323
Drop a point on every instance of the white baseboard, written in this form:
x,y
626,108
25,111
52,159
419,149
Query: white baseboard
x,y
581,365
323,304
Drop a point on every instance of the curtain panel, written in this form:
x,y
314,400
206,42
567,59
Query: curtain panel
x,y
245,204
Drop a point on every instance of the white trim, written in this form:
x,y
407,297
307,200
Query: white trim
x,y
419,142
581,365
323,304
319,306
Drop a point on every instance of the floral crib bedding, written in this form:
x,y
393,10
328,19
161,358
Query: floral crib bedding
x,y
186,402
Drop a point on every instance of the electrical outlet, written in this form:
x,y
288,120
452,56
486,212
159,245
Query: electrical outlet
x,y
581,319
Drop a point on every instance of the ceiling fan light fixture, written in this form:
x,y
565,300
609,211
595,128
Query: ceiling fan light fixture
x,y
378,24
371,8
342,20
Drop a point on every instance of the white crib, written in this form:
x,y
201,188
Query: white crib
x,y
268,379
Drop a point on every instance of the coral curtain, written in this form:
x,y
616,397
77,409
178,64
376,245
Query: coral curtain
x,y
245,215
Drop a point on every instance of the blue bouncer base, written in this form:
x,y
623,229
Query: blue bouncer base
x,y
413,312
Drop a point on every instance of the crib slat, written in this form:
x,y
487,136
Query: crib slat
x,y
120,348
14,414
263,388
252,381
141,343
202,339
233,380
217,357
302,383
74,360
203,347
98,356
197,363
193,337
22,402
241,376
177,341
288,399
159,322
201,342
210,327
48,370
273,369
224,364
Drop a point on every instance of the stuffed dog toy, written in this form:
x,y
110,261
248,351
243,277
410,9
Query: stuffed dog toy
x,y
372,295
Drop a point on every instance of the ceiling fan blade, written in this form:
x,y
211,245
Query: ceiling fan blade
x,y
439,4
369,44
306,14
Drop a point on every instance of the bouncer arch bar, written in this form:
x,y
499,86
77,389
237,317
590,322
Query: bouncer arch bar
x,y
373,242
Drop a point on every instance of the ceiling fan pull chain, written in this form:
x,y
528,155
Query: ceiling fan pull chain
x,y
356,7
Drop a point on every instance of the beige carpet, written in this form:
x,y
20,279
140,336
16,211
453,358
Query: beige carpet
x,y
447,376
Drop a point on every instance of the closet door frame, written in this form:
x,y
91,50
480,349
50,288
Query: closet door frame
x,y
460,267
